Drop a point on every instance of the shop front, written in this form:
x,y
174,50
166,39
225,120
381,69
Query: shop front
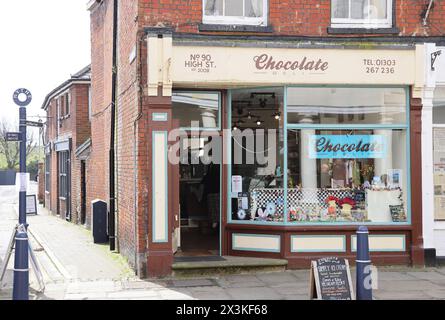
x,y
284,150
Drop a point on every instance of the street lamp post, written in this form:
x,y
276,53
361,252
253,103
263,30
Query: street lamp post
x,y
22,98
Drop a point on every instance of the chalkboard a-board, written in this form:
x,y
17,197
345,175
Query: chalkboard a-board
x,y
331,280
31,204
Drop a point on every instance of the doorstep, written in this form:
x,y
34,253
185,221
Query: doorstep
x,y
226,265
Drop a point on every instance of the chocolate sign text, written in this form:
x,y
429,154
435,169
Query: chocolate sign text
x,y
268,62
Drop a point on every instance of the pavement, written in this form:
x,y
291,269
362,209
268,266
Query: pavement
x,y
74,268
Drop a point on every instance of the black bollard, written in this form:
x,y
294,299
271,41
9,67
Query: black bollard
x,y
364,284
21,265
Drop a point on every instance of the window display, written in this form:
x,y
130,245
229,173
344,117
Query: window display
x,y
347,160
257,180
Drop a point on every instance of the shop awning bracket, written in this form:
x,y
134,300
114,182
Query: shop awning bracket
x,y
434,56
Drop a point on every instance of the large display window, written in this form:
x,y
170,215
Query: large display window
x,y
343,158
439,153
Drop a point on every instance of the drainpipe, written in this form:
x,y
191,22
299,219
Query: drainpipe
x,y
137,259
112,214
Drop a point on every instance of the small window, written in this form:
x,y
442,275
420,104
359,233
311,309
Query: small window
x,y
361,13
197,109
247,12
64,158
59,108
48,173
67,104
90,102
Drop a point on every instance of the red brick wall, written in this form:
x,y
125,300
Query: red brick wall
x,y
126,126
101,66
81,133
76,126
131,234
292,17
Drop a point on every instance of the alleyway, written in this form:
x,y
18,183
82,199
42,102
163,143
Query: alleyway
x,y
75,268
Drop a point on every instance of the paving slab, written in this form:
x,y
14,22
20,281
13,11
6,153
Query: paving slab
x,y
209,293
427,275
401,295
394,276
92,287
85,296
298,297
133,294
193,283
436,294
292,290
403,286
251,294
277,278
177,294
139,284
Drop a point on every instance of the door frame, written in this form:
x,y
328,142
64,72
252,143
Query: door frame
x,y
83,193
222,96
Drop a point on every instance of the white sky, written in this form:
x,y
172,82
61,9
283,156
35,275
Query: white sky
x,y
42,43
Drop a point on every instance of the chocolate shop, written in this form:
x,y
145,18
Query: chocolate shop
x,y
307,142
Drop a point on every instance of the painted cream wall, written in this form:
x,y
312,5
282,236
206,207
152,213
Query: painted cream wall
x,y
316,243
160,179
427,148
260,243
384,243
438,232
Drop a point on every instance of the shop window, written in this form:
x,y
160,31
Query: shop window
x,y
347,155
64,159
355,106
48,173
256,182
197,109
361,13
247,12
342,175
339,156
439,153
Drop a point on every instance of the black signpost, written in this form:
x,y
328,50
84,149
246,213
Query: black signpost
x,y
331,279
22,98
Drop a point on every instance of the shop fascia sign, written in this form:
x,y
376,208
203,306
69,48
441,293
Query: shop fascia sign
x,y
229,67
347,147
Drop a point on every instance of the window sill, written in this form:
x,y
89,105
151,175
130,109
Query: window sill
x,y
337,30
234,28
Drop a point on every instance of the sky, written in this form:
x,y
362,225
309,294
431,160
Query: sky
x,y
42,43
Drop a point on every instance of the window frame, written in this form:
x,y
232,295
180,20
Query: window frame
x,y
90,102
363,23
64,158
218,127
48,173
237,20
292,126
67,104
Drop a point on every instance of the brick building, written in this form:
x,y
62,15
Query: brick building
x,y
326,75
67,143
